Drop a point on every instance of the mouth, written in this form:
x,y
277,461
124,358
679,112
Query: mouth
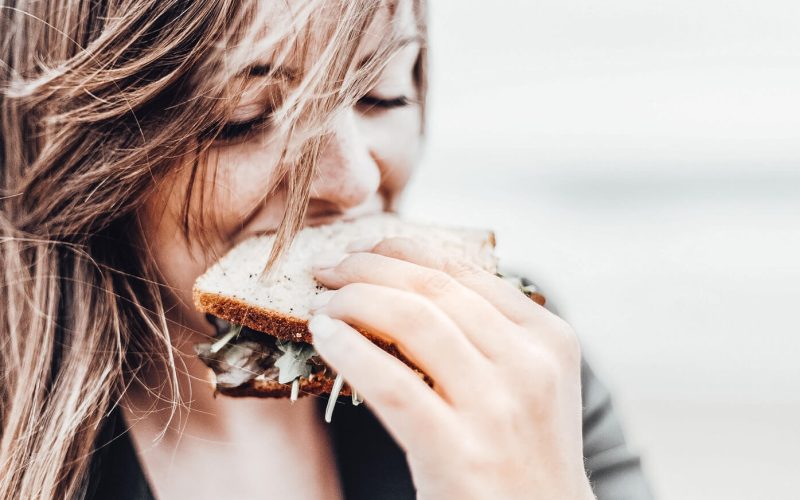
x,y
321,218
239,355
316,221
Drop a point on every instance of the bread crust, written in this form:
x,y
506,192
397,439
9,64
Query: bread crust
x,y
318,385
235,310
282,327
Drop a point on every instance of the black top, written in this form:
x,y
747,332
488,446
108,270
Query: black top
x,y
372,466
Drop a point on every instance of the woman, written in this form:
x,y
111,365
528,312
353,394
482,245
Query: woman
x,y
141,140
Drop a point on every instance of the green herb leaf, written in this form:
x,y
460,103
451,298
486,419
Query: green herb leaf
x,y
219,344
294,361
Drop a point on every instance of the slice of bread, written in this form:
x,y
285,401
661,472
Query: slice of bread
x,y
280,306
318,385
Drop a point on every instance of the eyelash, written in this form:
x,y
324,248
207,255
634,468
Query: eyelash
x,y
232,131
369,102
239,130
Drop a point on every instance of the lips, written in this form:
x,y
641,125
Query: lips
x,y
327,215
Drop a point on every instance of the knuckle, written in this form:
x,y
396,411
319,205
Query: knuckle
x,y
390,395
459,268
538,376
522,359
548,376
565,341
473,454
412,317
434,283
499,408
416,318
419,312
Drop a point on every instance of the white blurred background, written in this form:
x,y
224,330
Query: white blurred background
x,y
639,160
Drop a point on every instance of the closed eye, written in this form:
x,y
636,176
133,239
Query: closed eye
x,y
372,103
236,131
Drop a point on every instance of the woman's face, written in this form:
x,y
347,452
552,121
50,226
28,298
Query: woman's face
x,y
363,166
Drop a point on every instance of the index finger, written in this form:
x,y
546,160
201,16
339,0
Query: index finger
x,y
501,294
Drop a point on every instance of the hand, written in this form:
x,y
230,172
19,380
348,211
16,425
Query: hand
x,y
504,417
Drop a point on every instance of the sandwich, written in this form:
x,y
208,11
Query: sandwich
x,y
262,346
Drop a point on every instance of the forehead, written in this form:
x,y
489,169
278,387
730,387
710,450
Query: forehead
x,y
391,18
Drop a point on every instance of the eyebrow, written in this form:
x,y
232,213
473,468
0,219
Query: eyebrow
x,y
403,42
260,70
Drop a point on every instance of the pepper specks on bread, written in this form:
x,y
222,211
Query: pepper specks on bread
x,y
275,311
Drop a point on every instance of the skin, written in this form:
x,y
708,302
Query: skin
x,y
516,440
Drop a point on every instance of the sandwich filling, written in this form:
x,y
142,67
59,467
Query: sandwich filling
x,y
240,354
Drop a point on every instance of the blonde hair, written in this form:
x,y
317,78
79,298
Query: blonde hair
x,y
97,101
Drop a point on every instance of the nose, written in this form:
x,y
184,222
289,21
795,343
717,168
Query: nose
x,y
347,174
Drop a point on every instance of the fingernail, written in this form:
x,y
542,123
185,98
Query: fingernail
x,y
327,260
363,244
321,299
321,326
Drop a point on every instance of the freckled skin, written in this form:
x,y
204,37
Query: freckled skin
x,y
521,438
362,169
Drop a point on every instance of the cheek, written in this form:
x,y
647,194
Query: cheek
x,y
244,174
177,265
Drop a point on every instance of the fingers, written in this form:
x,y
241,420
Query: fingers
x,y
424,333
398,396
504,296
483,325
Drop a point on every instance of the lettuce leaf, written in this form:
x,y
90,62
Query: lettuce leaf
x,y
294,361
237,361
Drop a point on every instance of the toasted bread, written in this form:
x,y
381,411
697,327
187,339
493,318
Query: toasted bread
x,y
232,290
